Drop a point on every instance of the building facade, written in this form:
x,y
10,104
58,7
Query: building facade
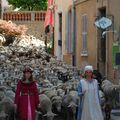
x,y
3,7
95,45
108,39
78,41
0,8
86,44
62,15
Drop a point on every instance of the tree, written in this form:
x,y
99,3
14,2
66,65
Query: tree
x,y
29,5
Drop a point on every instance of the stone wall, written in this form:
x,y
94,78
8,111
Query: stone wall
x,y
35,28
34,20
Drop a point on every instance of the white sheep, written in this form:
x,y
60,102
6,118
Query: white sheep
x,y
2,39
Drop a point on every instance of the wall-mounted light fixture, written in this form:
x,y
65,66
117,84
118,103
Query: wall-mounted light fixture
x,y
108,31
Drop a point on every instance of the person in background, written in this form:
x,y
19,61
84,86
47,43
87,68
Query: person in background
x,y
98,76
89,106
26,97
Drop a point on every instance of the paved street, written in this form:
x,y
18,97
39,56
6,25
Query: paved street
x,y
115,114
115,117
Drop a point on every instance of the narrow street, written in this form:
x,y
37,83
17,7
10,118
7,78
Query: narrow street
x,y
59,59
115,114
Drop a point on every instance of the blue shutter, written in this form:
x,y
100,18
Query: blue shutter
x,y
84,32
67,31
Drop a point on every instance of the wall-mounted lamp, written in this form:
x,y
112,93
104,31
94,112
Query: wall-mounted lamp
x,y
105,32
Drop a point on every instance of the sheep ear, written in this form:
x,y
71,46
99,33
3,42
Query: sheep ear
x,y
50,114
72,105
69,106
44,115
38,112
55,114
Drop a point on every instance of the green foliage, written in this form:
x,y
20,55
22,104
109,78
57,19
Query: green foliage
x,y
29,5
49,50
49,47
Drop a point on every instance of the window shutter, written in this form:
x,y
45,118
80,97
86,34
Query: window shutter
x,y
67,31
84,32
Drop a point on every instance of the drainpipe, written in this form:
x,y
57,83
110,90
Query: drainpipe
x,y
73,34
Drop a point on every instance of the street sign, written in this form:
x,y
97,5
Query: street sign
x,y
103,23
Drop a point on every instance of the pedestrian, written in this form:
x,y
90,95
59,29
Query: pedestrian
x,y
26,97
89,106
98,76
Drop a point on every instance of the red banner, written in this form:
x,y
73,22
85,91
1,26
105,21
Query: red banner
x,y
49,18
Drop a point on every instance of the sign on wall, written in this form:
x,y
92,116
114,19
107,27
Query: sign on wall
x,y
103,23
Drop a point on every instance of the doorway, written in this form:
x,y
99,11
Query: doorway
x,y
101,58
59,52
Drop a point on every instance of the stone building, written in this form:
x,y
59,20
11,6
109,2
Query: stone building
x,y
62,8
99,42
79,41
0,8
86,43
108,39
3,6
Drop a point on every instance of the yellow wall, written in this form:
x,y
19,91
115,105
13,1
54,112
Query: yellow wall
x,y
86,7
112,11
91,8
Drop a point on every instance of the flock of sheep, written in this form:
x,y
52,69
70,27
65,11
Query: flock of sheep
x,y
56,81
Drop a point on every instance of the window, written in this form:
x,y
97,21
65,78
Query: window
x,y
84,35
69,32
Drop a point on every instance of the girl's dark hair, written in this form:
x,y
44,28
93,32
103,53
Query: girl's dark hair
x,y
30,79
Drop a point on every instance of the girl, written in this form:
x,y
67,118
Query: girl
x,y
26,98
